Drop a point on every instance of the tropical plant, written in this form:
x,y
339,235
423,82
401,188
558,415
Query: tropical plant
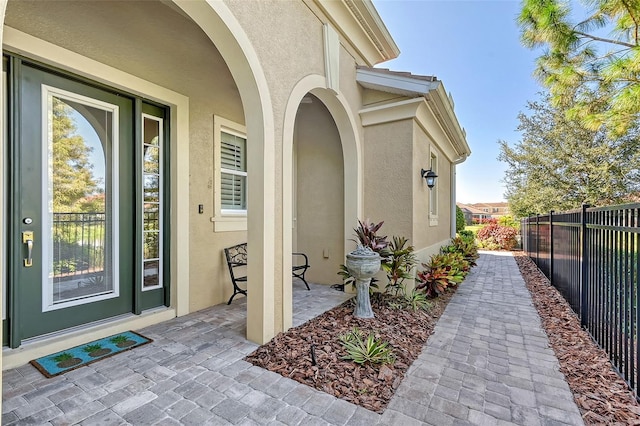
x,y
347,278
445,269
417,300
398,264
433,281
367,237
454,262
361,350
467,247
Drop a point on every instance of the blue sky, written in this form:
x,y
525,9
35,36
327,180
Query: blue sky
x,y
474,48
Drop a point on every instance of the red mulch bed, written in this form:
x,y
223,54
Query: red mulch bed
x,y
602,396
369,386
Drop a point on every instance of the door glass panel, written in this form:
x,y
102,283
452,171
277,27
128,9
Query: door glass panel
x,y
79,206
151,245
151,156
151,188
152,206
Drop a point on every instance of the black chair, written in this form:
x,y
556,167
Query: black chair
x,y
237,258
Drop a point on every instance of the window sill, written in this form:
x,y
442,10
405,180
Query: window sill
x,y
229,223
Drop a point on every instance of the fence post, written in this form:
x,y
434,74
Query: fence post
x,y
529,236
538,240
551,247
584,278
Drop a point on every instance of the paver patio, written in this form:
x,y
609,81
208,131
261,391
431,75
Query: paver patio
x,y
488,362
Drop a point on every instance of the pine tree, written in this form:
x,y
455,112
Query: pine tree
x,y
593,74
73,180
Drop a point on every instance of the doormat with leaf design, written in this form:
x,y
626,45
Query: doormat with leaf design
x,y
79,356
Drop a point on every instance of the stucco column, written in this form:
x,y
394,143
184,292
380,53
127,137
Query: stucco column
x,y
261,237
219,23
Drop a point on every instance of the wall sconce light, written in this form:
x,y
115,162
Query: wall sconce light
x,y
429,176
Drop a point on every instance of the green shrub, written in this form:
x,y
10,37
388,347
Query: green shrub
x,y
509,221
467,234
417,301
468,248
460,222
447,268
361,350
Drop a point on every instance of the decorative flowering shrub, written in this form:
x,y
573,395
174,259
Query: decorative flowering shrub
x,y
497,237
485,221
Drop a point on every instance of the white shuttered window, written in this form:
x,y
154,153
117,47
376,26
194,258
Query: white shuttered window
x,y
233,173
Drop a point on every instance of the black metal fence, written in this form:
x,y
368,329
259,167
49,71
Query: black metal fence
x,y
591,256
78,244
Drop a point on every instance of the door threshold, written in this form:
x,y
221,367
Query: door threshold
x,y
37,347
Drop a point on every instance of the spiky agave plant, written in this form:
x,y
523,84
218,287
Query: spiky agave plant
x,y
361,349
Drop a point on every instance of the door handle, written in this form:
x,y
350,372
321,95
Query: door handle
x,y
27,238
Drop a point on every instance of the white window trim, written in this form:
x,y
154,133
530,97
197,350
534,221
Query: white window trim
x,y
160,260
433,193
225,220
48,303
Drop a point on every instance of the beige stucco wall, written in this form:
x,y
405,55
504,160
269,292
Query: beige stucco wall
x,y
394,191
388,176
428,232
319,206
289,44
158,42
148,39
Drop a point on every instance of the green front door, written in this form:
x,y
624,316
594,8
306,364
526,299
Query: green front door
x,y
74,204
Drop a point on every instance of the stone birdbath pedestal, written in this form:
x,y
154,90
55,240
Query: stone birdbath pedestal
x,y
363,263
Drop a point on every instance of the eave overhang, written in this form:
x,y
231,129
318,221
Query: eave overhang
x,y
362,28
428,104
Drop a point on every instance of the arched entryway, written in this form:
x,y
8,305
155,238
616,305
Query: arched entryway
x,y
318,206
322,180
120,48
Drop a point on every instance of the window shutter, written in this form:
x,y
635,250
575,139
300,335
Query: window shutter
x,y
233,172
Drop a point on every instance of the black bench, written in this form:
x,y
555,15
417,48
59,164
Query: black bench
x,y
237,258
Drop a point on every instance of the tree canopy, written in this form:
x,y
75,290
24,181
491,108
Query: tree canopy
x,y
74,187
558,164
591,64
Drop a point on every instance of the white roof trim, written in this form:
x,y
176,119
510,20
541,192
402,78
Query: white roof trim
x,y
431,94
391,83
361,27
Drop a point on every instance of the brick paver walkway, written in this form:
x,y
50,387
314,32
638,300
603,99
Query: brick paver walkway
x,y
488,362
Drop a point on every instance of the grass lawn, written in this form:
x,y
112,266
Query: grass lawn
x,y
473,228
